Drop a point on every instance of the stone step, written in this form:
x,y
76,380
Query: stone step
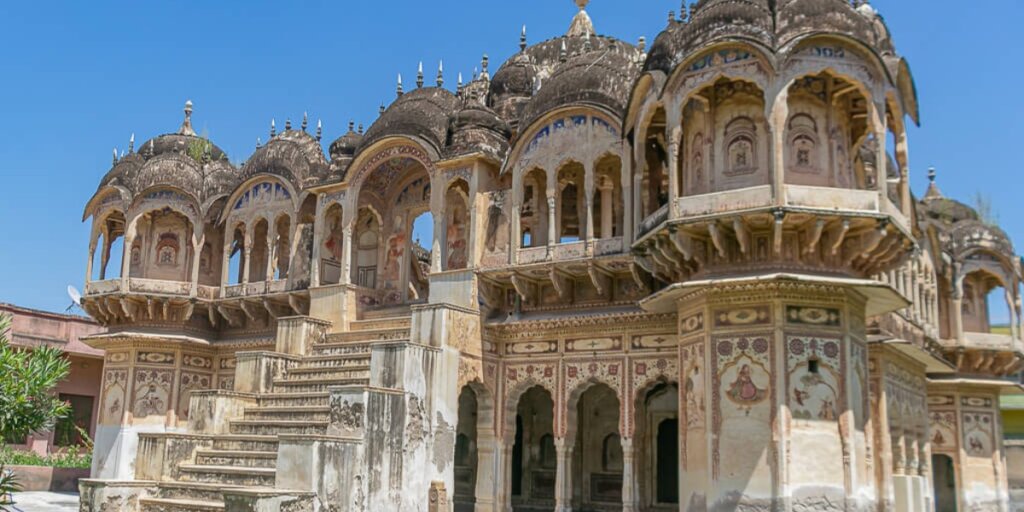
x,y
237,458
275,427
328,373
334,361
339,349
190,491
228,475
299,412
314,385
387,322
256,443
179,505
368,335
320,398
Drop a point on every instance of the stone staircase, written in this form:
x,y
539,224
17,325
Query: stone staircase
x,y
297,405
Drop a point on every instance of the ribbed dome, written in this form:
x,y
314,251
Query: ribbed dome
x,y
601,78
421,113
478,128
802,17
713,20
294,155
346,145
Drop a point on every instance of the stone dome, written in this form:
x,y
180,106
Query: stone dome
x,y
796,18
293,154
421,113
476,128
347,144
601,78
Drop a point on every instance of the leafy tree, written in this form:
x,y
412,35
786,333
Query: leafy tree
x,y
27,404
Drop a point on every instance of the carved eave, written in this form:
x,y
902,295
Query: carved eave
x,y
527,280
933,364
1005,387
141,339
881,298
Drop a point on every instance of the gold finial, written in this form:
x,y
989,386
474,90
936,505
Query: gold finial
x,y
582,4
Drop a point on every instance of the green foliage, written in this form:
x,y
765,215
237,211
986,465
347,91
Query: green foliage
x,y
27,404
73,457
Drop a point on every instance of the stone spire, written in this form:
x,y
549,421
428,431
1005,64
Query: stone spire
x,y
522,40
484,61
419,75
933,189
319,130
440,73
398,89
581,24
273,128
287,123
131,144
186,125
115,157
305,120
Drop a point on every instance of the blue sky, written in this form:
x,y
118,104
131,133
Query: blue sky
x,y
80,77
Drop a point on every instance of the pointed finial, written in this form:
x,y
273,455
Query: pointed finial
x,y
186,125
259,143
671,17
440,73
682,12
287,123
131,144
360,131
460,79
115,157
931,174
563,52
419,75
273,128
382,108
582,4
305,120
319,130
642,44
399,89
351,126
522,39
484,75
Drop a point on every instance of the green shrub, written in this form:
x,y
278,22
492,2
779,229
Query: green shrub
x,y
73,457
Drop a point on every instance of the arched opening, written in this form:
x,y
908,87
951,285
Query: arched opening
x,y
333,243
236,261
282,247
607,200
656,442
456,254
422,235
570,209
110,248
162,248
654,191
533,214
464,496
260,252
533,452
367,240
828,119
986,305
210,255
398,191
597,460
944,483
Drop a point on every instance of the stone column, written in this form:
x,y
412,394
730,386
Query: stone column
x,y
1013,313
346,255
588,199
126,257
440,243
777,127
92,256
318,229
956,312
628,203
881,155
552,230
563,475
105,255
515,239
673,137
225,265
607,210
197,249
271,254
248,260
629,488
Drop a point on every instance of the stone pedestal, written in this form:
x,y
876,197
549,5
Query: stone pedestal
x,y
773,396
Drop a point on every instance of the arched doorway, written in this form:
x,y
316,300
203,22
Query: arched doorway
x,y
597,460
944,482
466,459
656,441
534,460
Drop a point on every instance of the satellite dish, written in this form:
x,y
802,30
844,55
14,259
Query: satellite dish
x,y
76,298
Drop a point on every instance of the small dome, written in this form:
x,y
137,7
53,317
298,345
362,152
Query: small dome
x,y
712,20
797,18
346,145
477,128
169,170
600,78
421,113
293,154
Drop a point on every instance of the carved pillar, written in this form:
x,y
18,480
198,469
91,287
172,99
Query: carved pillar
x,y
958,303
92,256
318,230
552,229
247,255
563,475
516,236
105,255
197,249
225,264
1013,312
440,242
504,478
346,255
271,253
881,155
777,151
607,210
628,218
126,257
588,200
629,487
673,137
472,212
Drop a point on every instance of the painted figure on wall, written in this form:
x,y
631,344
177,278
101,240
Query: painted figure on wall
x,y
743,391
694,397
455,236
